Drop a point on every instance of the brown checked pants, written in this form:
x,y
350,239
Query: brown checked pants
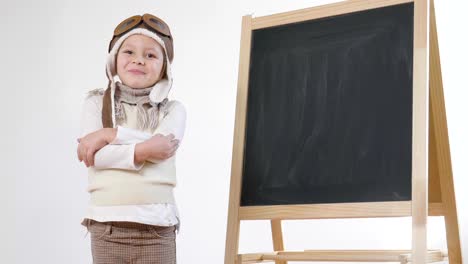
x,y
131,243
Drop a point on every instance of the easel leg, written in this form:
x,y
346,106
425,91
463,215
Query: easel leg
x,y
232,242
277,235
442,148
420,132
233,224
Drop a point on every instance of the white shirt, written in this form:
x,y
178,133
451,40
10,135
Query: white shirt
x,y
163,214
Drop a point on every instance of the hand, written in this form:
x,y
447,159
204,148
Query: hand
x,y
158,147
93,142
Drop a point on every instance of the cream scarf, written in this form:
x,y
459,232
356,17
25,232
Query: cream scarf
x,y
148,112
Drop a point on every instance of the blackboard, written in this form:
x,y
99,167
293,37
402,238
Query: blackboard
x,y
329,110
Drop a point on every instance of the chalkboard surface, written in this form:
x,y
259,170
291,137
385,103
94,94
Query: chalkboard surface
x,y
329,111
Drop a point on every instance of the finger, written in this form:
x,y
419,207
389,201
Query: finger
x,y
82,152
90,157
85,158
170,154
174,148
78,153
171,147
175,142
91,161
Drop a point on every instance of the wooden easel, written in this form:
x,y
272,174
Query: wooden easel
x,y
433,187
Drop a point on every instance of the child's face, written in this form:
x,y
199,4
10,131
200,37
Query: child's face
x,y
139,61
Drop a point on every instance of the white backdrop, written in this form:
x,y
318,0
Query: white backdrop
x,y
54,51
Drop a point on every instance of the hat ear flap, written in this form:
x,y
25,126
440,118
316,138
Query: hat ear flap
x,y
114,65
160,91
107,108
163,74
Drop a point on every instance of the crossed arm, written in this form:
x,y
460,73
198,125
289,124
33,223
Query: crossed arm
x,y
125,148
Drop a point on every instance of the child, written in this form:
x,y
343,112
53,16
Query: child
x,y
130,133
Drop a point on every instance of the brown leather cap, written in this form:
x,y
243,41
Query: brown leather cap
x,y
149,22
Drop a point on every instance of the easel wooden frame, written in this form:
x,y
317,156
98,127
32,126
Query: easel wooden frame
x,y
432,180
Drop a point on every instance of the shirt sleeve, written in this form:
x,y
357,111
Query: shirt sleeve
x,y
110,156
172,123
127,135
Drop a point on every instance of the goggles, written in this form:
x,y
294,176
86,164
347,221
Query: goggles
x,y
149,21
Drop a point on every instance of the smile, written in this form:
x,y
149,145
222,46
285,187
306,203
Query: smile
x,y
136,72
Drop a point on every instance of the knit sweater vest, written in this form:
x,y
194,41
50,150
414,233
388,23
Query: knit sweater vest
x,y
153,183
